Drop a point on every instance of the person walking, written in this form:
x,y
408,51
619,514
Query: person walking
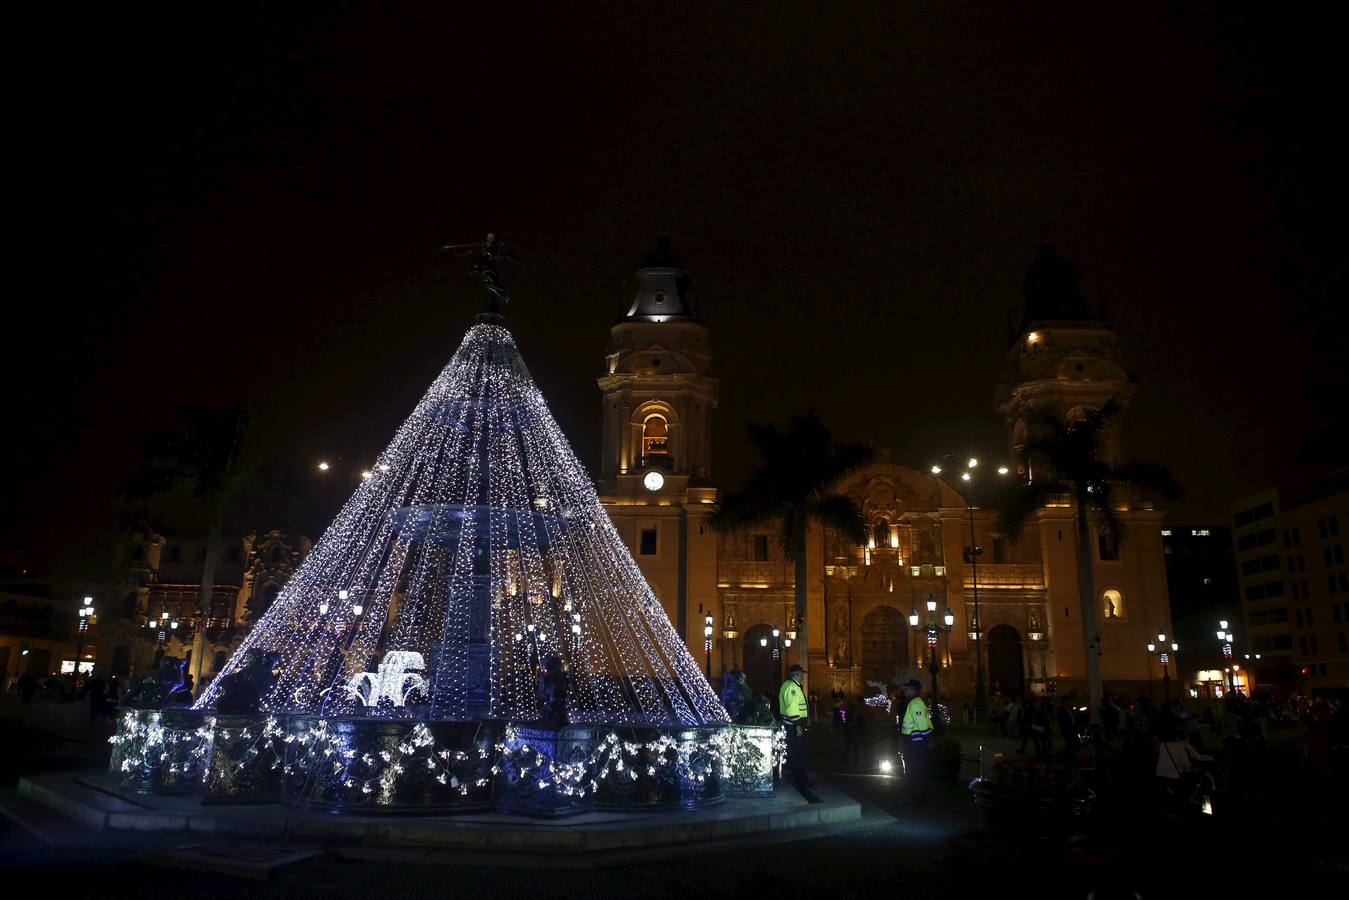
x,y
1067,723
915,731
793,709
1024,730
854,733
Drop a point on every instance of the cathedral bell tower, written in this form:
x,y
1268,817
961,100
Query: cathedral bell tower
x,y
1064,358
1064,362
655,471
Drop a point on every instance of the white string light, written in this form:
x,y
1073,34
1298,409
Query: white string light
x,y
478,542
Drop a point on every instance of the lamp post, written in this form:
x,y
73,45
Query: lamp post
x,y
1161,650
707,644
971,555
161,628
1226,638
86,611
932,629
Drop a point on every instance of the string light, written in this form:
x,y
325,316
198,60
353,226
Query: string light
x,y
478,544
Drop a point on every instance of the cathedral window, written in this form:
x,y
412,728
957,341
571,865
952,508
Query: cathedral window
x,y
647,547
655,436
1108,547
761,548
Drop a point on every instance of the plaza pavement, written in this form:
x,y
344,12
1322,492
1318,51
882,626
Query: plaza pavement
x,y
933,850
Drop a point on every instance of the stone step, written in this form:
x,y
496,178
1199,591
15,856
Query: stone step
x,y
94,801
70,795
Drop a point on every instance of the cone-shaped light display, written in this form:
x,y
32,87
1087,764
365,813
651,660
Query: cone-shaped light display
x,y
476,550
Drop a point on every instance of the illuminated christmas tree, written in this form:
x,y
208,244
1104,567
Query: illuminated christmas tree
x,y
476,549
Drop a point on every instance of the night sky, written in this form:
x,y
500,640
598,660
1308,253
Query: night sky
x,y
248,205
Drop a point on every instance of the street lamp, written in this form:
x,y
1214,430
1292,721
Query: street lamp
x,y
1226,639
86,611
932,629
972,554
777,653
1161,650
707,644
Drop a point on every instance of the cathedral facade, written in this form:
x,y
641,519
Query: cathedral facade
x,y
1015,605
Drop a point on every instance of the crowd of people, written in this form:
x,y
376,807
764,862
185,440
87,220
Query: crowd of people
x,y
102,695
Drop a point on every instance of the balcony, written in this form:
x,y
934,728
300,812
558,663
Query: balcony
x,y
749,574
1006,576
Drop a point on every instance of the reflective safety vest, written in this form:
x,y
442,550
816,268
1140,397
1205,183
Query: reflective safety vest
x,y
916,723
792,700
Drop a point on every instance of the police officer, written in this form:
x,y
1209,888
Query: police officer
x,y
794,710
915,731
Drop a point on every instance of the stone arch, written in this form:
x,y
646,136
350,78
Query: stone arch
x,y
652,421
762,671
1006,668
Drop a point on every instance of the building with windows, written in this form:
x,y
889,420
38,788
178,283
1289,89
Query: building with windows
x,y
1201,579
38,634
1294,591
656,480
154,601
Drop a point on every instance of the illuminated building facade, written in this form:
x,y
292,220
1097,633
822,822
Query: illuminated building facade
x,y
157,577
656,482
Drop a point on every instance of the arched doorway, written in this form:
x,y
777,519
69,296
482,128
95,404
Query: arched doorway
x,y
1006,673
885,648
761,670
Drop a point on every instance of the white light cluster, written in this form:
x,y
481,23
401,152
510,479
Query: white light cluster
x,y
146,745
479,510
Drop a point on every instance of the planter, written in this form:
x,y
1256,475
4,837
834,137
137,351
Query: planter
x,y
163,751
657,768
388,766
1034,814
546,771
748,753
248,758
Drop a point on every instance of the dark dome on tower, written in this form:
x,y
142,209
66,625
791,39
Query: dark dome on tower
x,y
1053,291
662,289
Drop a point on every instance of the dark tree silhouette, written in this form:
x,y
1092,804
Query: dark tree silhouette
x,y
791,487
200,458
1066,460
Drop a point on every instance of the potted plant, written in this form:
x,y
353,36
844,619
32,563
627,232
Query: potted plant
x,y
1033,795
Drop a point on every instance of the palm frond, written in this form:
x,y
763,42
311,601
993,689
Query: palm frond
x,y
840,513
1101,506
1022,500
740,510
844,459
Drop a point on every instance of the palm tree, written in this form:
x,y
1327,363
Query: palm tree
x,y
791,487
1067,460
200,458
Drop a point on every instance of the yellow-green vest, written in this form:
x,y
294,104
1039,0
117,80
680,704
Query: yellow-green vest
x,y
916,722
792,700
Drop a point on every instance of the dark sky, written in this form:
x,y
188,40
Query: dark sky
x,y
247,204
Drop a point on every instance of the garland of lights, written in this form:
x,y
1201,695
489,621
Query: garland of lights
x,y
148,748
478,547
